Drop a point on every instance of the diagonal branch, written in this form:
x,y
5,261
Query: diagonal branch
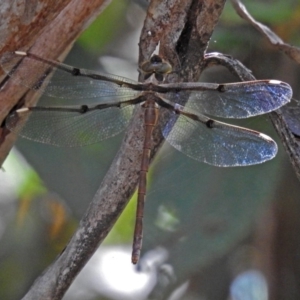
x,y
284,117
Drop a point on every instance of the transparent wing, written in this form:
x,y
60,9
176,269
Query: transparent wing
x,y
68,83
217,143
69,127
233,100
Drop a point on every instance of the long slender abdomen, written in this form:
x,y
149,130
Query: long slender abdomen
x,y
151,115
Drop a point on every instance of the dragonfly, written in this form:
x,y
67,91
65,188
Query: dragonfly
x,y
107,102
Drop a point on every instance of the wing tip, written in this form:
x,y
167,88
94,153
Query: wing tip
x,y
289,91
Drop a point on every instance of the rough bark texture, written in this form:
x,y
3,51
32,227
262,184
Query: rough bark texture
x,y
47,28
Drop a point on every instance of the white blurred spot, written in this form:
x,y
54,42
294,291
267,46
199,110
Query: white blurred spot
x,y
249,285
110,273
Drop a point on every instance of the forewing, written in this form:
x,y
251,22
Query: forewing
x,y
67,83
233,100
217,143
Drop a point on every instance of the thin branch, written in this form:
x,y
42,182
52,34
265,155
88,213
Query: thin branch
x,y
283,117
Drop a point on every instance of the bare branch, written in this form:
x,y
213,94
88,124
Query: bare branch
x,y
273,38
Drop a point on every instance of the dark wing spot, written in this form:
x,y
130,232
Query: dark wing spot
x,y
210,123
75,72
221,88
84,109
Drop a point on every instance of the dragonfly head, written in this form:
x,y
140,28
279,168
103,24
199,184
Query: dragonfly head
x,y
155,66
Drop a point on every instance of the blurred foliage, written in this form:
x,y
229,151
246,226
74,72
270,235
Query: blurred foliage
x,y
233,32
32,186
273,12
105,27
122,231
